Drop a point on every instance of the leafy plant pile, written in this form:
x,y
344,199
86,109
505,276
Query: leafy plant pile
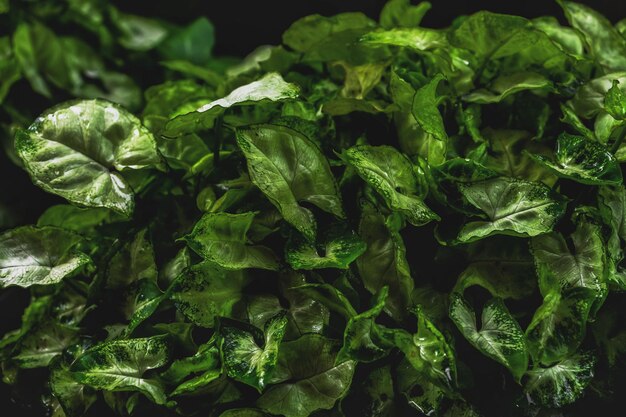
x,y
373,219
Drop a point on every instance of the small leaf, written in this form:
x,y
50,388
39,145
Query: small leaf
x,y
119,366
562,383
583,160
289,168
339,247
307,378
425,109
205,291
500,336
615,102
506,85
391,174
271,88
221,238
38,256
246,361
512,207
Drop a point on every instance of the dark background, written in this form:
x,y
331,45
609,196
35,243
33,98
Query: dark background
x,y
241,26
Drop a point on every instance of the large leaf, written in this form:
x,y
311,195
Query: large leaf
x,y
500,336
572,280
511,207
221,238
206,291
583,160
307,378
119,366
605,43
76,149
561,383
39,256
392,175
384,262
506,85
246,361
289,168
270,88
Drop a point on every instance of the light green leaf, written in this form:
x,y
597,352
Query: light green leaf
x,y
401,13
81,220
330,297
417,39
500,336
206,291
615,102
605,43
221,238
573,284
289,168
307,378
271,87
362,339
512,207
589,99
338,247
561,383
193,43
38,256
76,149
246,361
207,358
392,175
427,351
583,160
384,262
506,85
425,109
119,366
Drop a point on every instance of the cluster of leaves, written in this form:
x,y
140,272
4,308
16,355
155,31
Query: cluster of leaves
x,y
373,219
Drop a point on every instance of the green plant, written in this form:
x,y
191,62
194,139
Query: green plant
x,y
372,219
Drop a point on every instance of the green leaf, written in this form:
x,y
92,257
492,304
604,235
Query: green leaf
x,y
9,68
417,39
119,366
330,297
338,248
425,109
207,358
75,398
362,339
506,85
583,160
500,336
307,378
392,175
402,13
194,43
605,44
384,262
41,344
221,238
572,280
615,102
138,33
289,168
427,351
76,149
133,263
81,220
39,256
511,207
246,361
589,99
612,205
270,88
205,291
562,383
491,35
335,38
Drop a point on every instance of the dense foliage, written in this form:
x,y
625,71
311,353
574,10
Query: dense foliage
x,y
373,219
